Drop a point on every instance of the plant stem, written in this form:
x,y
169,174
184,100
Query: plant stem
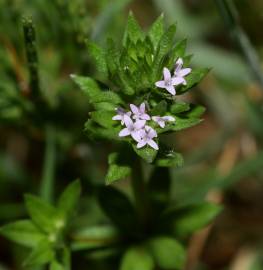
x,y
32,57
139,191
48,175
230,16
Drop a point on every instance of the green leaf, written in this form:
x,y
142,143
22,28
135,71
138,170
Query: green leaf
x,y
133,30
95,237
42,214
191,218
56,266
160,108
171,159
68,200
179,107
164,47
117,172
137,258
42,254
195,111
99,58
94,130
104,118
94,93
117,169
167,253
112,57
193,79
147,153
118,208
157,30
183,123
23,232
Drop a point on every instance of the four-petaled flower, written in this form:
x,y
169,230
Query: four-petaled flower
x,y
132,128
180,72
161,120
169,82
147,134
139,112
121,114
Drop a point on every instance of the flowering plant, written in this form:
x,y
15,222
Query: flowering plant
x,y
134,97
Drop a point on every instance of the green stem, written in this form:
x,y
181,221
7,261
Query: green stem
x,y
139,191
48,174
31,54
230,16
67,259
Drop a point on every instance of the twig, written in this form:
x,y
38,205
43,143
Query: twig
x,y
32,57
230,16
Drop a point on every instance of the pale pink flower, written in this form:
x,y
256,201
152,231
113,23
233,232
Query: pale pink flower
x,y
161,120
139,112
132,129
146,137
169,82
180,72
121,114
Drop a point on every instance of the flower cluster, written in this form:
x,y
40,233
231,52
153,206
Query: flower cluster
x,y
135,122
169,82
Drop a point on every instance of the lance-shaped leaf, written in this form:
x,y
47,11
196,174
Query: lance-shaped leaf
x,y
164,47
193,79
137,258
103,118
23,232
179,107
56,266
160,109
188,219
157,30
170,159
133,30
93,91
68,200
40,255
117,169
99,57
147,153
42,214
167,252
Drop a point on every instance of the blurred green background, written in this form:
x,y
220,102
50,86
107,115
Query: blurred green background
x,y
223,155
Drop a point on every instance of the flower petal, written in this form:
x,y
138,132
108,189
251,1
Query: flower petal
x,y
160,84
141,144
166,74
145,116
128,121
142,108
161,123
117,117
171,90
177,80
134,109
136,136
124,132
168,118
185,71
152,133
153,144
139,124
178,65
